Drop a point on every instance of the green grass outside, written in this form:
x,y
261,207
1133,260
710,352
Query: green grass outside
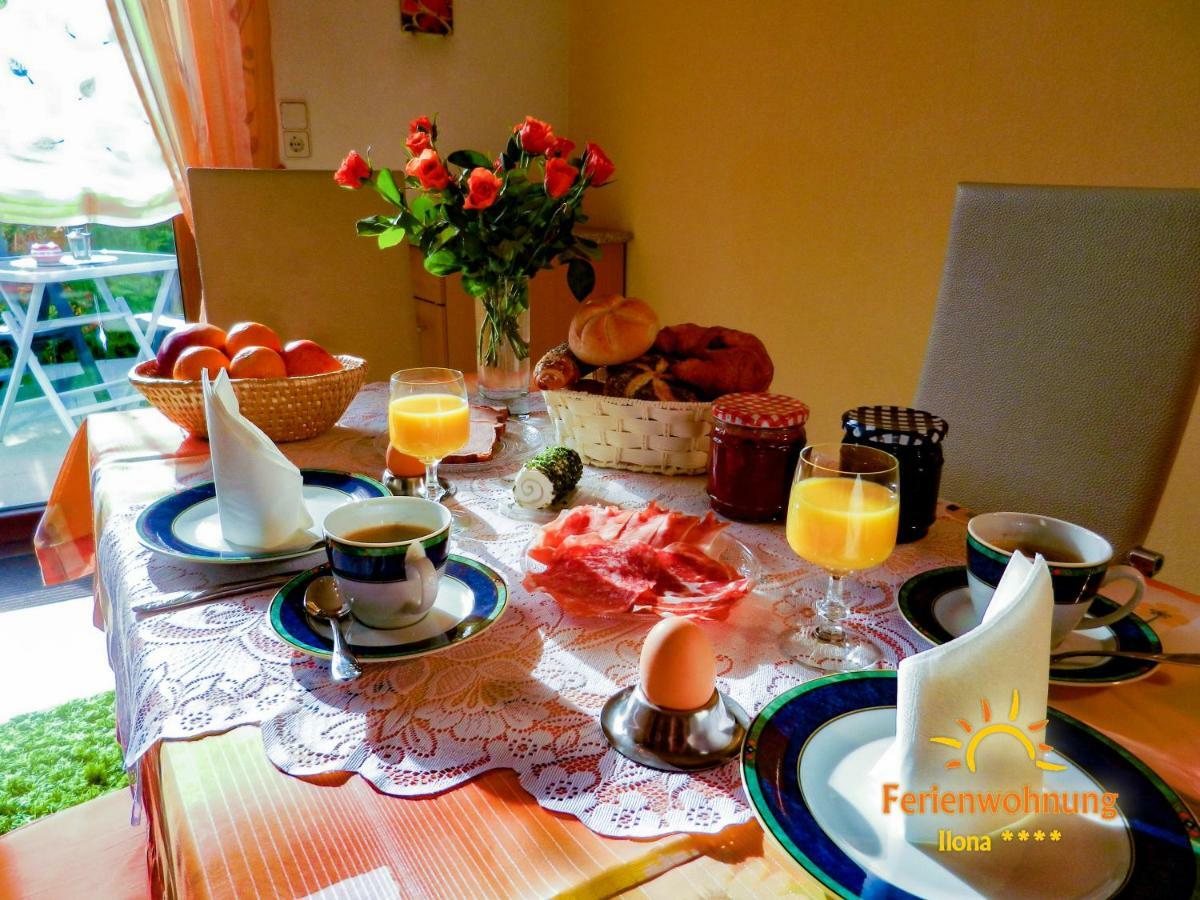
x,y
56,759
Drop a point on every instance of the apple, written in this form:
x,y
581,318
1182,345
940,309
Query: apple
x,y
197,334
308,358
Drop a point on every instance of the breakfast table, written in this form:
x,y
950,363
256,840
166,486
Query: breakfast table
x,y
479,771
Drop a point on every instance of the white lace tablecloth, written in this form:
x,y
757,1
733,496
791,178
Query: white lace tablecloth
x,y
524,695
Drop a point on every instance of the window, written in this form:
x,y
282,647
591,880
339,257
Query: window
x,y
76,149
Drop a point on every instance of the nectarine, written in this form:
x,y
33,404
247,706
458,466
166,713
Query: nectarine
x,y
251,334
197,334
195,359
257,362
308,358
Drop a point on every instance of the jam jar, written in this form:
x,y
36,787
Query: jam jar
x,y
914,437
756,441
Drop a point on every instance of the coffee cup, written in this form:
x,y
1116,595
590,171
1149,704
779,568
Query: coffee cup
x,y
387,555
1078,560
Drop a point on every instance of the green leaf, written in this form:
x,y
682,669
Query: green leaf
x,y
391,238
581,278
385,184
444,236
441,262
423,209
373,225
476,287
469,159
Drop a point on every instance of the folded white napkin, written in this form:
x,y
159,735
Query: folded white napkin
x,y
260,493
991,681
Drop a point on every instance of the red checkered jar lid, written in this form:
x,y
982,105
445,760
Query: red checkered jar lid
x,y
760,410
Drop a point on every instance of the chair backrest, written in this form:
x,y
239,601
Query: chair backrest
x,y
1065,350
279,247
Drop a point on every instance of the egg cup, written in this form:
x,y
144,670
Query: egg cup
x,y
674,740
414,485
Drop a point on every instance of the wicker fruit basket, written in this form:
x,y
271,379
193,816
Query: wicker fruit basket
x,y
287,409
636,435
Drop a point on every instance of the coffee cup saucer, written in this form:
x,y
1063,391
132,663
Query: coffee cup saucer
x,y
937,604
471,598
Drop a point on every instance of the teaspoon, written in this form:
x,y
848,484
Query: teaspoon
x,y
322,600
1186,659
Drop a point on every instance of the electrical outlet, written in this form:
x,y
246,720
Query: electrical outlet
x,y
295,145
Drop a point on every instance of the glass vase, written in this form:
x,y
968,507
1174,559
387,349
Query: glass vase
x,y
502,344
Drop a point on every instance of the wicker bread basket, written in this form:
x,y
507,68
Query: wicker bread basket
x,y
287,409
637,435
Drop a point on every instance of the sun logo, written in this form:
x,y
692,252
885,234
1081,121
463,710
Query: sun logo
x,y
972,744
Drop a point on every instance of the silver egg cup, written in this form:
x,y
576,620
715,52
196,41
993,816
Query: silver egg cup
x,y
674,740
413,485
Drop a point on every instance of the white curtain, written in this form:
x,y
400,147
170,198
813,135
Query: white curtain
x,y
75,143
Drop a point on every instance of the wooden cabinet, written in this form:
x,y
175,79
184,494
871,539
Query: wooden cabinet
x,y
446,313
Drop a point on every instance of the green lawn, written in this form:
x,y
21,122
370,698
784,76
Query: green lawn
x,y
58,758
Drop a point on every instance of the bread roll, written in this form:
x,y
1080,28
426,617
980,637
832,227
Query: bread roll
x,y
607,331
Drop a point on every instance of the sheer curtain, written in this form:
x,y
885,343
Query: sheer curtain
x,y
203,70
75,141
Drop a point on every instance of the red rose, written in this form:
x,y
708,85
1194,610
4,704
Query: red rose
x,y
560,175
597,167
424,125
418,142
482,188
561,148
428,169
354,171
536,136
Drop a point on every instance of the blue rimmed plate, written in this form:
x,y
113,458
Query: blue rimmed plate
x,y
806,765
185,525
471,597
937,604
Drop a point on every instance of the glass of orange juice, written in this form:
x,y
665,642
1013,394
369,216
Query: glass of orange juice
x,y
429,418
842,516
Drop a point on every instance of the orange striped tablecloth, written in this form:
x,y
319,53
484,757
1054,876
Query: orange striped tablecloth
x,y
233,825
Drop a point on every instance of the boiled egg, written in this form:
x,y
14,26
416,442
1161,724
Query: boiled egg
x,y
678,665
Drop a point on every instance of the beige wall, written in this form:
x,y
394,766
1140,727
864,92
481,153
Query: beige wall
x,y
789,167
364,79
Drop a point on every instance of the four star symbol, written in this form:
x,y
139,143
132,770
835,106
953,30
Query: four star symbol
x,y
1039,835
1022,835
1056,835
1007,835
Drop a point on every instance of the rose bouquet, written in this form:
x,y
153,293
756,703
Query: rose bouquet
x,y
497,222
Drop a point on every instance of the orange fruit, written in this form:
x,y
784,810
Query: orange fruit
x,y
194,360
197,334
308,358
257,362
402,465
251,334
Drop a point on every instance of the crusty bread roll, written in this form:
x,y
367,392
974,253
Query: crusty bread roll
x,y
607,331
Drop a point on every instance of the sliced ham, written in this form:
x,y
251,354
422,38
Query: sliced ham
x,y
592,576
607,561
604,521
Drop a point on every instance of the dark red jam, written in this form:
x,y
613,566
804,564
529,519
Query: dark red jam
x,y
756,442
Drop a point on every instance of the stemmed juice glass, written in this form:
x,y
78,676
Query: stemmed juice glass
x,y
842,516
429,418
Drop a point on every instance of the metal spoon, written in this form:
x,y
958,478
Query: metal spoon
x,y
1186,659
322,600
